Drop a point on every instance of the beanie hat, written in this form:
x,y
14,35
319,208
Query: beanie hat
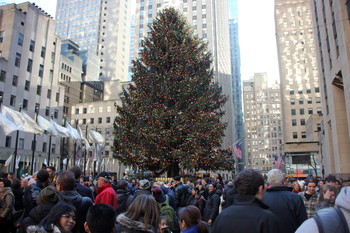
x,y
145,184
158,194
48,195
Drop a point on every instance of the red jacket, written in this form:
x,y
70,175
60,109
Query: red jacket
x,y
107,195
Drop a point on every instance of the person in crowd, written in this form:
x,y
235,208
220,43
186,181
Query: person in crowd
x,y
197,200
31,194
105,191
296,188
182,193
52,174
310,197
320,184
166,191
225,195
10,176
330,179
248,213
18,192
164,225
205,185
288,206
191,220
337,185
330,220
141,216
326,197
61,219
7,203
144,188
81,189
65,184
211,209
100,219
124,196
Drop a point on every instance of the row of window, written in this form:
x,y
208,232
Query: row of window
x,y
317,90
309,100
295,135
8,143
99,120
302,111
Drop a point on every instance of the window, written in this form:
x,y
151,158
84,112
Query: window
x,y
21,144
2,36
308,91
29,65
84,110
318,100
13,100
77,111
44,146
293,111
100,120
291,92
84,121
52,57
51,76
18,59
309,101
53,148
301,101
295,135
302,111
311,111
20,39
319,110
57,97
2,76
43,51
294,122
38,90
91,120
55,114
108,119
25,104
41,71
8,141
317,89
303,134
27,85
31,46
48,94
300,91
47,111
302,121
15,80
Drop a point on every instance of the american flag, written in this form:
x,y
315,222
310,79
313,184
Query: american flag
x,y
279,163
237,151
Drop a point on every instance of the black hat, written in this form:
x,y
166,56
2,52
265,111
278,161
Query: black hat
x,y
178,178
104,175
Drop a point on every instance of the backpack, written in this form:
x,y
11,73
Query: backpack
x,y
167,211
330,220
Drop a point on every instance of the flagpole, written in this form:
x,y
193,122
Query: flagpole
x,y
75,142
85,150
34,140
48,155
16,148
62,147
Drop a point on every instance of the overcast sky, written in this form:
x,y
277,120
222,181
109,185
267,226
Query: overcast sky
x,y
256,35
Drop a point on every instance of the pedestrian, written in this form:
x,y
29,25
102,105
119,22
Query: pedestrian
x,y
144,188
211,209
296,188
182,192
191,220
124,196
7,205
105,191
286,205
100,218
197,200
81,189
326,197
248,214
141,216
310,197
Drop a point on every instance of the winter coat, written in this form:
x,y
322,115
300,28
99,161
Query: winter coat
x,y
124,200
342,202
7,203
139,192
181,195
127,225
106,195
288,206
35,216
192,229
230,197
40,229
30,196
199,202
84,191
211,209
249,215
81,204
18,193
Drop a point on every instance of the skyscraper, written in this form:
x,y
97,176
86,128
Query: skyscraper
x,y
299,77
332,39
210,21
100,26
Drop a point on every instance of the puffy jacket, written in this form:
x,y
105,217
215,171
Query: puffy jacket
x,y
35,216
181,195
106,195
124,200
288,206
211,209
7,200
84,191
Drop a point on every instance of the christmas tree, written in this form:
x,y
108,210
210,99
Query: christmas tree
x,y
171,115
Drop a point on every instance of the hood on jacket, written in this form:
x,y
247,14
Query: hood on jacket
x,y
343,198
71,197
134,224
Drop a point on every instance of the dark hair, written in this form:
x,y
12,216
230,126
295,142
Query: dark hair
x,y
16,183
192,216
144,207
323,190
207,180
76,171
330,178
248,182
310,180
7,182
42,176
196,189
66,180
51,167
122,184
55,214
101,218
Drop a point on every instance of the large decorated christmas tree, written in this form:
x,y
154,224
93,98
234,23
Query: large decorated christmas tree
x,y
171,115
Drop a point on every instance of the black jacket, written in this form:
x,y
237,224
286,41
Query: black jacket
x,y
211,209
181,195
198,202
124,200
84,191
248,215
142,192
35,216
288,206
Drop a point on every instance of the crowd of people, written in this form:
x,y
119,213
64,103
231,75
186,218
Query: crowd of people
x,y
61,202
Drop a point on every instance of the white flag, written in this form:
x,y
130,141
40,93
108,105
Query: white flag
x,y
30,123
62,131
47,125
72,132
65,161
8,161
7,125
18,159
96,136
87,144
